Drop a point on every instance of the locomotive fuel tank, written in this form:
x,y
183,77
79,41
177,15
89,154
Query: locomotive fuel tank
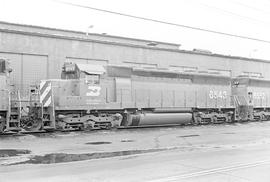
x,y
165,118
158,119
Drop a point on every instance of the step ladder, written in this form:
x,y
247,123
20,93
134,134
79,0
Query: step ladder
x,y
14,111
46,100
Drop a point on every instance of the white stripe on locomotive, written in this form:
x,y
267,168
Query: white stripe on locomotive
x,y
45,93
48,102
41,85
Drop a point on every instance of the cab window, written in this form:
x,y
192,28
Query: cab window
x,y
92,79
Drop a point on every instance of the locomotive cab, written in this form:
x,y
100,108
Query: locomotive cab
x,y
255,93
250,98
87,78
91,73
78,97
241,99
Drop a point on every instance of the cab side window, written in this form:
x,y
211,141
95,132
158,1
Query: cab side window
x,y
92,79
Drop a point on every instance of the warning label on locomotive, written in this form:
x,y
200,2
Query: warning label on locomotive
x,y
93,91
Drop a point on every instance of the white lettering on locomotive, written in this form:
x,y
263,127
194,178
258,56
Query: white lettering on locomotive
x,y
258,95
217,94
93,91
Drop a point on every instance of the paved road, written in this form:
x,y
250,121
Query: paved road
x,y
237,152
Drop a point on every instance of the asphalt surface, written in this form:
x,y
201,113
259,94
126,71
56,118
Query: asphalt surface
x,y
237,152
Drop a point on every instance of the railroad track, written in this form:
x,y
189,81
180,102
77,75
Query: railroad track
x,y
19,133
211,171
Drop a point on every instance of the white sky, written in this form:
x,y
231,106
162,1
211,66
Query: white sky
x,y
242,17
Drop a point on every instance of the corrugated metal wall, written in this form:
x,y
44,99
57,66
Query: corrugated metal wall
x,y
87,61
28,69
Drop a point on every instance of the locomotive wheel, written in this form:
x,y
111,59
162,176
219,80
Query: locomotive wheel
x,y
30,124
108,126
214,120
60,125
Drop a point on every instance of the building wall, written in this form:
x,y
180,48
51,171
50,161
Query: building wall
x,y
35,55
50,32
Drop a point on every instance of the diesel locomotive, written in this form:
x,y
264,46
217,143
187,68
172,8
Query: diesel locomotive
x,y
9,111
118,96
4,94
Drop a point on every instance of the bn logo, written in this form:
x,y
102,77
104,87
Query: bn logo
x,y
93,91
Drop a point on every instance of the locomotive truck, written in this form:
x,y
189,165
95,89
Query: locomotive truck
x,y
118,96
